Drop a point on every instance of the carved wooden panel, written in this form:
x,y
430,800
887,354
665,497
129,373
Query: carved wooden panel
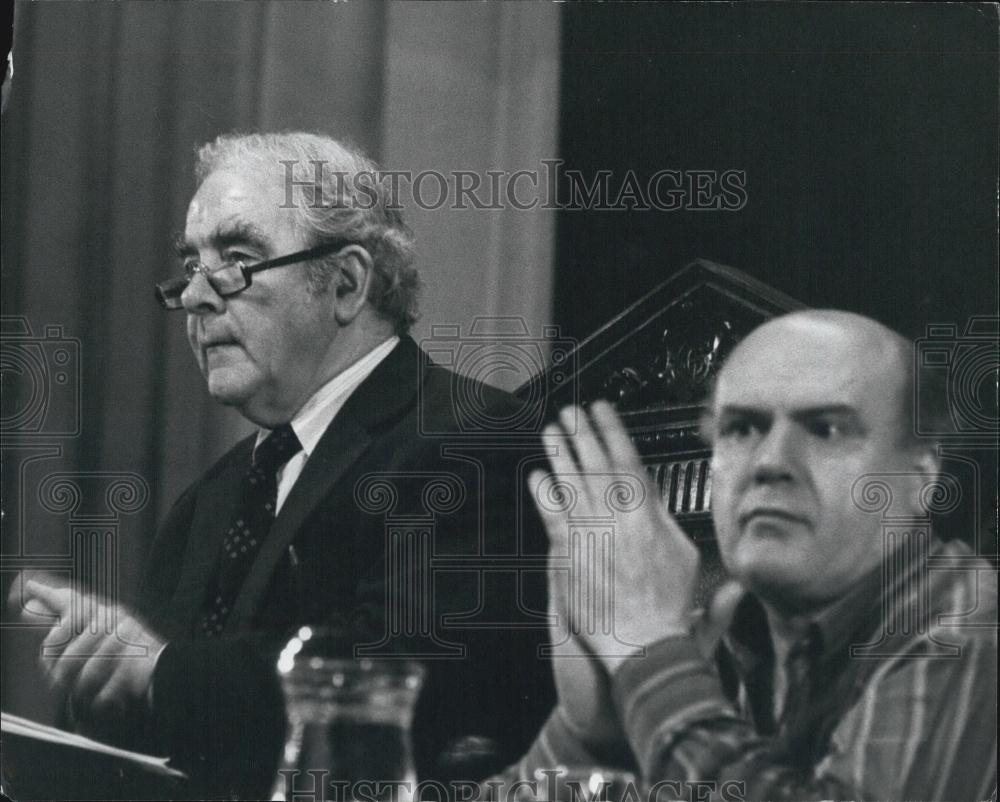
x,y
656,362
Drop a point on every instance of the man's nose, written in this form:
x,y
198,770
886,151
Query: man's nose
x,y
776,457
200,298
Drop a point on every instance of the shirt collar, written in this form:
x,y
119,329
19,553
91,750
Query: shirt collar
x,y
318,412
836,623
832,628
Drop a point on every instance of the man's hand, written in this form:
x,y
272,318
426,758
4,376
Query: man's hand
x,y
582,684
101,655
647,586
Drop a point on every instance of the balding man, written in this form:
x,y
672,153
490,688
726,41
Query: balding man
x,y
297,280
850,665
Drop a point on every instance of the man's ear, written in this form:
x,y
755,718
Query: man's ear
x,y
354,269
927,462
925,466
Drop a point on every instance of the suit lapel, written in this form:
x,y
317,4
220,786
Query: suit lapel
x,y
213,512
390,389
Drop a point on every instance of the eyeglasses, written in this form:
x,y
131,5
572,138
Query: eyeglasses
x,y
233,277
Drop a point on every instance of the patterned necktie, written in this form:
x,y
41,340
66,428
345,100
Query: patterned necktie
x,y
250,526
798,667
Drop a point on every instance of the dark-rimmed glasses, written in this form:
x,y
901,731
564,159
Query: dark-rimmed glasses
x,y
233,277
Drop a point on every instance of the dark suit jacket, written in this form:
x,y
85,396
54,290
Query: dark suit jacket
x,y
217,704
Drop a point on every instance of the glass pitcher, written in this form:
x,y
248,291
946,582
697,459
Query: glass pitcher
x,y
349,723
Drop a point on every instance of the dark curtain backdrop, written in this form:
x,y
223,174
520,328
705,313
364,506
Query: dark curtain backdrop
x,y
868,133
108,103
98,140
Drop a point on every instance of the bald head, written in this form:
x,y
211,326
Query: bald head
x,y
830,324
802,348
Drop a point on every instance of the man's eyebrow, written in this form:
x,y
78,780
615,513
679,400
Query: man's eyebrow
x,y
739,409
711,417
181,246
225,235
825,409
818,409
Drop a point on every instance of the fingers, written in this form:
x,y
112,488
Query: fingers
x,y
28,608
560,458
44,578
100,673
559,623
574,445
85,628
579,454
589,450
66,670
585,458
550,517
89,654
73,616
109,664
48,599
69,646
621,453
553,516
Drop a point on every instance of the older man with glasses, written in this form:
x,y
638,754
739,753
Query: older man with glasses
x,y
299,289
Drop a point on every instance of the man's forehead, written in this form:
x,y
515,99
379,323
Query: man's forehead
x,y
234,200
802,362
229,232
233,188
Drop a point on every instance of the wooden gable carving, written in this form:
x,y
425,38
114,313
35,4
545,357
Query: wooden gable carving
x,y
656,361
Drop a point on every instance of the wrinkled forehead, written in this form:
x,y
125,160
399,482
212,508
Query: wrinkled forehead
x,y
801,362
234,198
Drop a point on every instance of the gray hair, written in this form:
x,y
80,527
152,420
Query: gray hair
x,y
341,195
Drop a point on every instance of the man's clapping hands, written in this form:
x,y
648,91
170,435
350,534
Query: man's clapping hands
x,y
612,596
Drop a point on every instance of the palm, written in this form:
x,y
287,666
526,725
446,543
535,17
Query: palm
x,y
582,684
631,569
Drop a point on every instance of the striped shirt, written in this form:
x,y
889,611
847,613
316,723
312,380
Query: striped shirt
x,y
891,695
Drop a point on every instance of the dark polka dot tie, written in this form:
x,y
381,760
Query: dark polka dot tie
x,y
249,528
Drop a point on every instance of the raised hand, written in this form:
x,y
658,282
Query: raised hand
x,y
634,566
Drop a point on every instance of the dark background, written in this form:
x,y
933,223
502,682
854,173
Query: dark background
x,y
868,134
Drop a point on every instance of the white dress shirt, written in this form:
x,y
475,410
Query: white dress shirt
x,y
316,414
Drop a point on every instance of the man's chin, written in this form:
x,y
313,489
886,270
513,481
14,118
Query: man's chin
x,y
762,563
228,389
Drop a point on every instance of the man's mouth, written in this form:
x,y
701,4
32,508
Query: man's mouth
x,y
771,514
207,346
217,351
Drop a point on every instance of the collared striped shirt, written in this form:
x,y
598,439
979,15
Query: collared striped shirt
x,y
894,696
